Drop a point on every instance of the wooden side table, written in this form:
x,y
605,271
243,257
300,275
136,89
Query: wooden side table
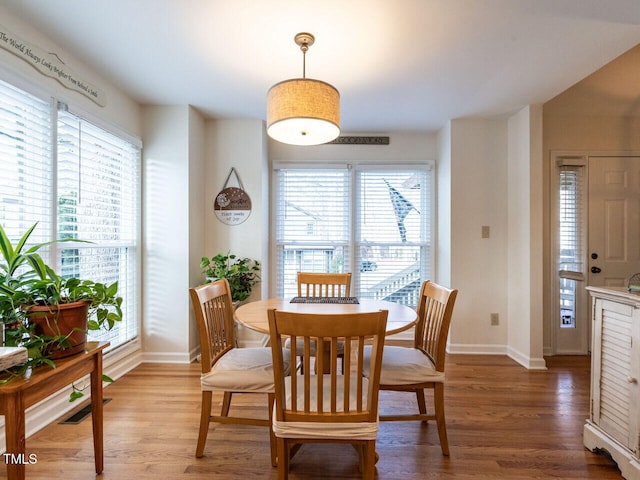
x,y
21,393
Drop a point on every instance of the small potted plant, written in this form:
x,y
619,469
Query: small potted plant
x,y
45,312
241,273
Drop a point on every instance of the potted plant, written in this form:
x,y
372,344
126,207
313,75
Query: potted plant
x,y
45,312
241,273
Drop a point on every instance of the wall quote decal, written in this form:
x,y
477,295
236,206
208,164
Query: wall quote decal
x,y
49,64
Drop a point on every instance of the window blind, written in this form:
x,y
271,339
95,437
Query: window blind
x,y
571,218
26,164
97,200
312,224
393,231
372,222
570,240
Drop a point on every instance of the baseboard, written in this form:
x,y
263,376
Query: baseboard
x,y
119,362
477,349
489,349
531,363
166,357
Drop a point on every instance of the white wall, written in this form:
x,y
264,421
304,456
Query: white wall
x,y
443,208
525,289
165,329
496,181
196,210
478,265
239,144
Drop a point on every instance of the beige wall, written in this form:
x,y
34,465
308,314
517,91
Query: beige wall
x,y
597,115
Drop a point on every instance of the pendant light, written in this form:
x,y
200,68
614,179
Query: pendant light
x,y
303,111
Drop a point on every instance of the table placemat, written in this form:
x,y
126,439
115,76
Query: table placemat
x,y
324,300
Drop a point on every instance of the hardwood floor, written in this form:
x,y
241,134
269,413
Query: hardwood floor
x,y
504,422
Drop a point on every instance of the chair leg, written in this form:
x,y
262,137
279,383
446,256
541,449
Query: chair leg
x,y
226,403
422,405
359,448
283,459
272,436
205,415
438,401
369,470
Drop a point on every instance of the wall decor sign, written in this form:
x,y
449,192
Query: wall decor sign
x,y
50,65
232,205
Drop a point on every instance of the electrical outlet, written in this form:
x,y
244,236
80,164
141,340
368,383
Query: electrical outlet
x,y
495,319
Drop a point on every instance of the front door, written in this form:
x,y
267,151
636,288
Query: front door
x,y
613,253
607,188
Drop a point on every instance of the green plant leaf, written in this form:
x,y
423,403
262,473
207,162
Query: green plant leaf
x,y
112,289
6,247
48,361
75,395
106,378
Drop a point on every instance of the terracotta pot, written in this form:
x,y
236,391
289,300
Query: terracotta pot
x,y
67,319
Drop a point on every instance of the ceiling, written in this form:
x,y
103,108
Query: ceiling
x,y
400,65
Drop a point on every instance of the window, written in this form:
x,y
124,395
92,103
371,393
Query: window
x,y
392,247
26,182
312,224
372,221
94,196
570,240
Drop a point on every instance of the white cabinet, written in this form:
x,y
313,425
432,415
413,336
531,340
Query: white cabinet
x,y
613,424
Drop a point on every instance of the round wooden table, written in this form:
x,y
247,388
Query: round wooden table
x,y
253,315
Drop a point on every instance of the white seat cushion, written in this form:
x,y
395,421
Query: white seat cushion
x,y
404,366
354,430
319,430
244,370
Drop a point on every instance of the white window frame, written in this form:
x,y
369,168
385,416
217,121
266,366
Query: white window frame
x,y
354,167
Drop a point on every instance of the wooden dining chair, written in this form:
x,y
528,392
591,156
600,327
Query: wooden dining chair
x,y
327,408
314,285
227,368
415,369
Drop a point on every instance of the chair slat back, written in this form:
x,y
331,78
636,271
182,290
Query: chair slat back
x,y
213,310
311,284
435,308
329,397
